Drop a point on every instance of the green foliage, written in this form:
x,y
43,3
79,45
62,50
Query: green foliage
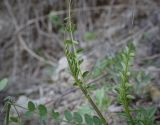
x,y
77,117
101,66
79,50
84,109
102,99
56,21
7,108
3,83
14,119
142,80
85,74
42,110
96,120
68,115
70,27
119,64
100,95
146,116
88,119
55,115
70,42
74,65
31,106
124,73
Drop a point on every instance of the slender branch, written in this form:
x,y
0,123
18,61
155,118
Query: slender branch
x,y
21,40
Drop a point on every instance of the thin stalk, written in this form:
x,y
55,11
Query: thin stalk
x,y
69,16
88,97
7,114
125,103
80,83
93,104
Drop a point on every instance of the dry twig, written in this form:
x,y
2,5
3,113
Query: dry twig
x,y
21,40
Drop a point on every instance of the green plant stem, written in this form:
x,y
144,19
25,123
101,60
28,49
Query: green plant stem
x,y
81,83
129,114
125,103
69,16
7,114
88,97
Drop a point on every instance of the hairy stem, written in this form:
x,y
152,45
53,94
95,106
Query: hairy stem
x,y
80,82
93,104
124,88
7,114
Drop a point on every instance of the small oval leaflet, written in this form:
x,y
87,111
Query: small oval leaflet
x,y
130,97
55,115
3,83
77,117
31,106
88,119
42,110
80,61
68,115
71,42
80,50
85,74
14,119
